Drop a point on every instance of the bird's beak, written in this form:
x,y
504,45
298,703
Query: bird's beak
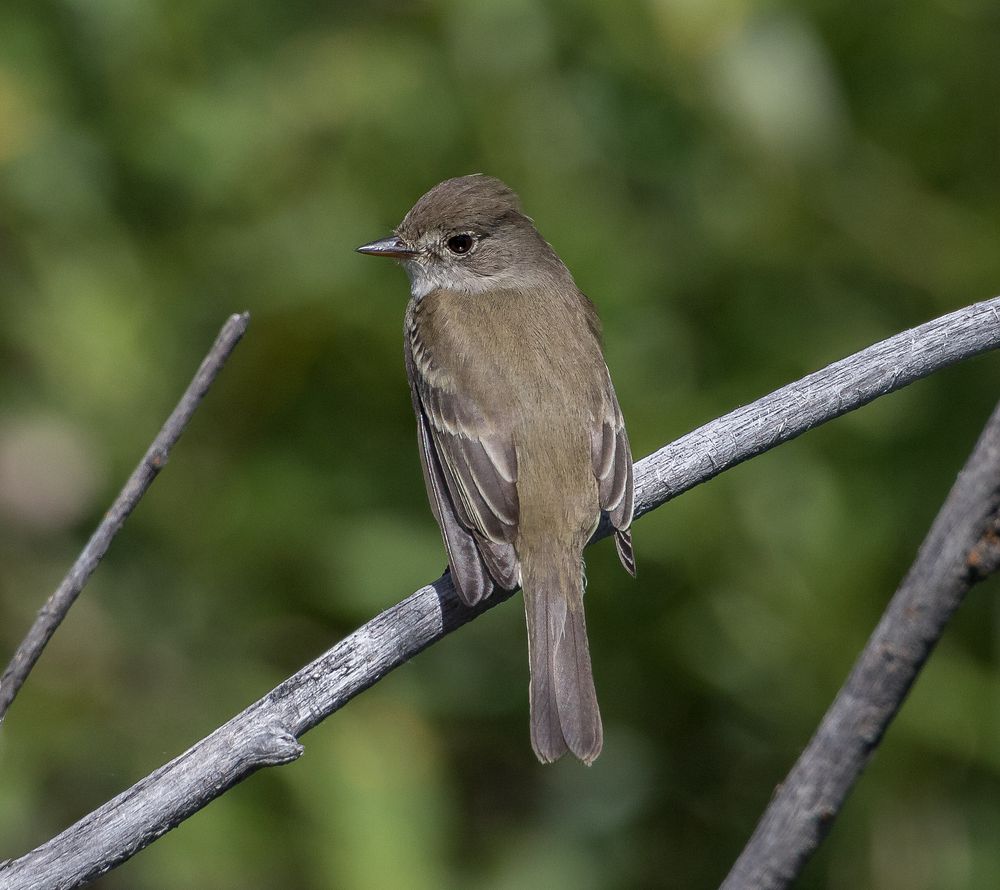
x,y
393,246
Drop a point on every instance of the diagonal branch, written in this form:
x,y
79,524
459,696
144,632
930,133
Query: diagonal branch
x,y
961,548
816,398
58,604
266,732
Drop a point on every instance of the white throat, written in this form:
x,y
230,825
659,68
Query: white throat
x,y
427,277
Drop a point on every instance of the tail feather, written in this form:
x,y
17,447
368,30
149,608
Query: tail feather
x,y
546,731
623,544
564,711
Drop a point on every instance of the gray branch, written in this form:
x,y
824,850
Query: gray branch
x,y
265,733
58,604
816,398
961,548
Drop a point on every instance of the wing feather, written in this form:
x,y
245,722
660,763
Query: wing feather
x,y
468,572
471,475
611,458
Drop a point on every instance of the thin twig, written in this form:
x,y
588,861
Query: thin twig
x,y
959,550
58,604
265,733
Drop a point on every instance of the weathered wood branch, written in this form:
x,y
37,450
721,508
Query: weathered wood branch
x,y
961,548
816,398
265,732
58,604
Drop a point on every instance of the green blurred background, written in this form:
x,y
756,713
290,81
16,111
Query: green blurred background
x,y
748,191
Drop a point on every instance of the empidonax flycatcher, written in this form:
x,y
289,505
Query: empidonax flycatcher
x,y
521,437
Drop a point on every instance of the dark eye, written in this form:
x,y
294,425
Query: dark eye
x,y
461,243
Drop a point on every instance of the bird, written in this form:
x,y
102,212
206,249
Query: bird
x,y
521,438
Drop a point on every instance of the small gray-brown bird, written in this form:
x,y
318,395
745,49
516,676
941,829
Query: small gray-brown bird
x,y
521,438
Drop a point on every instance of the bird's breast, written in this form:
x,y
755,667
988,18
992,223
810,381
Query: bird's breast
x,y
528,372
525,348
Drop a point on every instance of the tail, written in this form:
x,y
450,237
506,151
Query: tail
x,y
564,712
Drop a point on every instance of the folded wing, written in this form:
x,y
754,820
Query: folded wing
x,y
470,471
612,462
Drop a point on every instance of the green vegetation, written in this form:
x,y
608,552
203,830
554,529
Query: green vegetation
x,y
747,191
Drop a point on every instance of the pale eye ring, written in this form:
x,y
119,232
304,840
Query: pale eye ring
x,y
461,243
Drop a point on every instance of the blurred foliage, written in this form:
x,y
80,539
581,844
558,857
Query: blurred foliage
x,y
747,190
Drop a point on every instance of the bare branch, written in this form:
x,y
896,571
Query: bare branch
x,y
816,398
58,604
960,549
265,732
